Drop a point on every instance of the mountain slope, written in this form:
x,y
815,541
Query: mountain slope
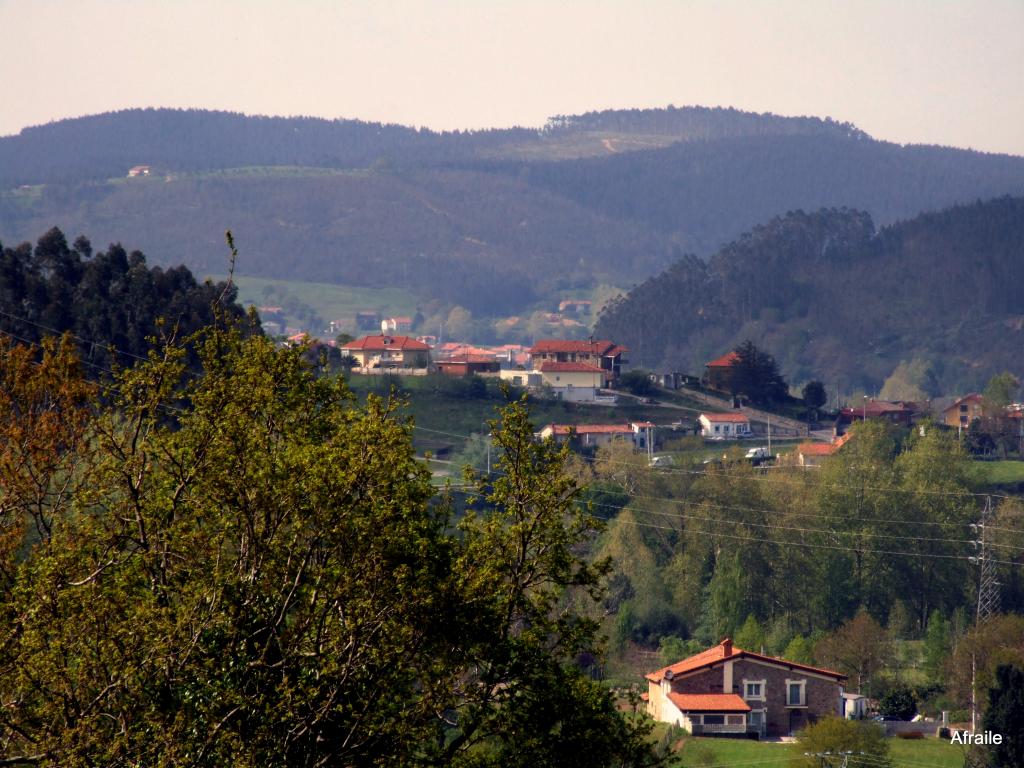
x,y
463,217
834,299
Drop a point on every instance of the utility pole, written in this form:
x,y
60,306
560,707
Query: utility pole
x,y
988,591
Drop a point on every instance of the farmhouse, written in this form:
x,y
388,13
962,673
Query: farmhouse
x,y
726,691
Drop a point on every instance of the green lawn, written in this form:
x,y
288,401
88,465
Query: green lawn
x,y
1001,472
905,753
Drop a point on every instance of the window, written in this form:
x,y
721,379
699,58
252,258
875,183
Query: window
x,y
753,689
963,409
735,719
756,718
795,693
717,428
714,719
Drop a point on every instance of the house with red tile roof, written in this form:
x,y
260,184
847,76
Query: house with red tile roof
x,y
724,426
813,454
639,432
727,691
386,351
604,354
718,372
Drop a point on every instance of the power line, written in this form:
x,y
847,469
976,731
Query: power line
x,y
778,542
705,504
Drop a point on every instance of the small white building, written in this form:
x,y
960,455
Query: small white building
x,y
724,426
854,706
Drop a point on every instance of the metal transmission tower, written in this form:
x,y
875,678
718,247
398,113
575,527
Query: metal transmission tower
x,y
988,591
988,587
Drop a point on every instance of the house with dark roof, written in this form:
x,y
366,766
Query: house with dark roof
x,y
727,691
604,354
386,351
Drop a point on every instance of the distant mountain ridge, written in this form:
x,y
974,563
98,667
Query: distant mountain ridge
x,y
835,299
495,221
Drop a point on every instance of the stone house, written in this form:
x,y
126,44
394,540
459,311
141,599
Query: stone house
x,y
727,691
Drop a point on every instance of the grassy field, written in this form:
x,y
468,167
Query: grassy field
x,y
923,753
331,302
1001,472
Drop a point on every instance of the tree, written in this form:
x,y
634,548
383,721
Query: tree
x,y
1000,392
860,648
898,702
750,636
814,396
637,382
913,381
755,375
936,644
835,735
979,654
254,570
1005,715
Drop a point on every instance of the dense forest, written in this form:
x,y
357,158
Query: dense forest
x,y
498,222
832,298
111,302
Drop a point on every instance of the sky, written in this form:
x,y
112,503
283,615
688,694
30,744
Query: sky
x,y
910,71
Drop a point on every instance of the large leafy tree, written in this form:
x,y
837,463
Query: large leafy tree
x,y
248,568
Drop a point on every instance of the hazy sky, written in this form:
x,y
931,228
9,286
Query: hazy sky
x,y
932,71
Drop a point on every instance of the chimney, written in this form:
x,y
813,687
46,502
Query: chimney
x,y
726,647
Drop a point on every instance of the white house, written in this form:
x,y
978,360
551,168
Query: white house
x,y
724,426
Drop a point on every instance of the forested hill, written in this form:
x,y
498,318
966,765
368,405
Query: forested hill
x,y
110,301
835,299
169,140
500,222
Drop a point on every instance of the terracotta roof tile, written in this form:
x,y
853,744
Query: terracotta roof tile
x,y
725,361
591,429
734,418
550,366
726,650
381,342
709,702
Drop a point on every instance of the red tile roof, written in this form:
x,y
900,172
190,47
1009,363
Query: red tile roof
x,y
735,418
467,358
725,361
591,429
816,449
381,342
550,366
603,347
709,702
726,650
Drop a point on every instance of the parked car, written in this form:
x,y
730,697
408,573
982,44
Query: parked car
x,y
760,452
